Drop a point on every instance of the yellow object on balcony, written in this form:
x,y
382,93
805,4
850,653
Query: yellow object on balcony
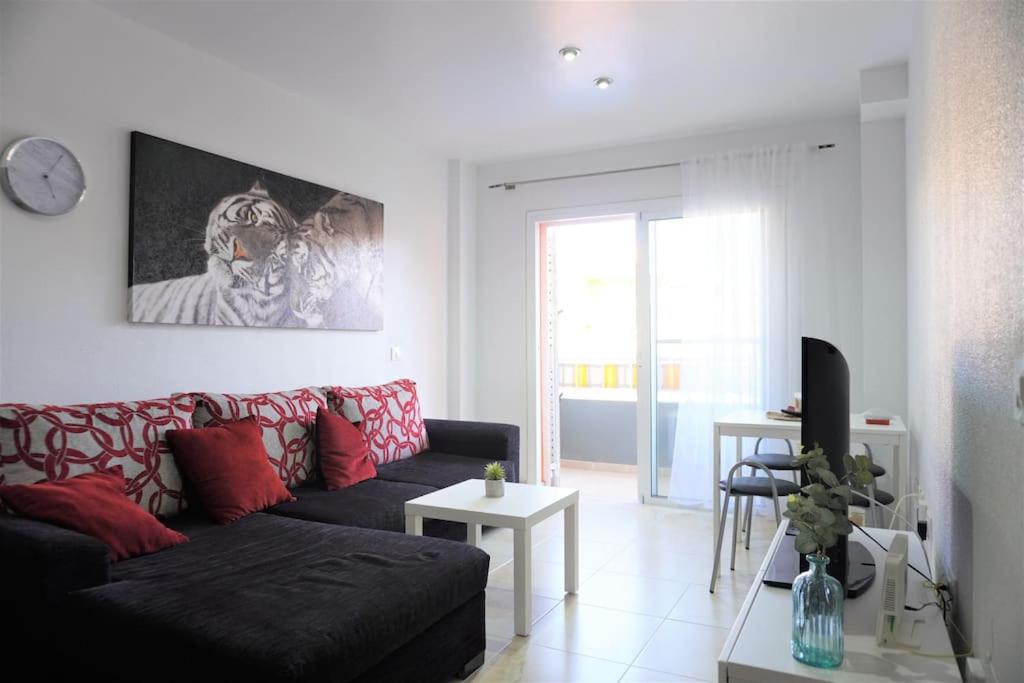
x,y
582,375
670,376
611,376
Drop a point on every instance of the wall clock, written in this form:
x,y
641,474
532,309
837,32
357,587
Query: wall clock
x,y
42,175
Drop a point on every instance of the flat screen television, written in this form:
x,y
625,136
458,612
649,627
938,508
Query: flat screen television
x,y
825,420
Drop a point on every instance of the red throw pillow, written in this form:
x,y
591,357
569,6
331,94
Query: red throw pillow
x,y
94,504
344,456
229,469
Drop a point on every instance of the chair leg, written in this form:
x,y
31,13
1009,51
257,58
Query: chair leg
x,y
737,522
748,503
750,508
718,543
778,515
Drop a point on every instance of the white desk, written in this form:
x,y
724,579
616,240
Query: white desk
x,y
757,648
754,424
522,506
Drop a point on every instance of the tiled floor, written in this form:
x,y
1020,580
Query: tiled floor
x,y
643,611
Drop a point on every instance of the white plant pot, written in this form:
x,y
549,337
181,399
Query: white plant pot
x,y
495,488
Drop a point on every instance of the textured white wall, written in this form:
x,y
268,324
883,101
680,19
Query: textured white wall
x,y
965,163
77,72
502,307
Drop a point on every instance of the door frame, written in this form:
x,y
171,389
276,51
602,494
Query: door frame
x,y
644,211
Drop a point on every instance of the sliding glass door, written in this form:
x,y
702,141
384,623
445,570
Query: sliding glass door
x,y
698,330
705,342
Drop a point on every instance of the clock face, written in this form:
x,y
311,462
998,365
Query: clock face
x,y
41,175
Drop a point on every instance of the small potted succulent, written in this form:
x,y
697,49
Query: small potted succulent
x,y
494,480
819,516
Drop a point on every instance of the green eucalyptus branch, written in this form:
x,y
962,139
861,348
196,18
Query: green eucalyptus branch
x,y
819,514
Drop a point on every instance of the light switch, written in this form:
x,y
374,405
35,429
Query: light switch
x,y
395,353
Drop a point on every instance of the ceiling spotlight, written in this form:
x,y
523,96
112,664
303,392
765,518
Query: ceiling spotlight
x,y
603,83
569,53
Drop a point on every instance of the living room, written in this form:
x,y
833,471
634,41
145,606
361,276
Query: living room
x,y
349,290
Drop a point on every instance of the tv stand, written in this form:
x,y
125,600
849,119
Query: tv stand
x,y
785,566
757,648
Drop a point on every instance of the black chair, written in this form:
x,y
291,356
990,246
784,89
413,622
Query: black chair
x,y
776,462
749,487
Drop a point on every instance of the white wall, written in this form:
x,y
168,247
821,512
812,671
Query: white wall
x,y
502,238
461,287
884,264
84,75
965,245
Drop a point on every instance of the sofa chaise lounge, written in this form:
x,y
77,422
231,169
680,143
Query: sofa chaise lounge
x,y
324,588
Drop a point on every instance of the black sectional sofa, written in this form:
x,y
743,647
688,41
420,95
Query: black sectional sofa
x,y
325,588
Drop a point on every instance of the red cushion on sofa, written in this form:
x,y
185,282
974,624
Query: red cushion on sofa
x,y
94,504
344,456
229,469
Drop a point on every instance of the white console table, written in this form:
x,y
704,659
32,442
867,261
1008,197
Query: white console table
x,y
757,649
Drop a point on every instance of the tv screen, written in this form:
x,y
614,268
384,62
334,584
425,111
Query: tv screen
x,y
825,386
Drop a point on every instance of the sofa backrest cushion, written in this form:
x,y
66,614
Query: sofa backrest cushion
x,y
388,416
51,443
286,419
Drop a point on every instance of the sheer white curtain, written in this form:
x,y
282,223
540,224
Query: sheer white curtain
x,y
750,236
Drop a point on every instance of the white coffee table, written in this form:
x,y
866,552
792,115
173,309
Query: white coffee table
x,y
520,509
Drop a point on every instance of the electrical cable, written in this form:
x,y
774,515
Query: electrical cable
x,y
884,507
946,605
896,509
922,574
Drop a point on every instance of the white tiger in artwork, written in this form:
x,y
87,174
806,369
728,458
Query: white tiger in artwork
x,y
249,238
337,266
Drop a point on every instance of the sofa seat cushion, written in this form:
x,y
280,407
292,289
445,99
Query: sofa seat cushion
x,y
439,470
274,599
370,504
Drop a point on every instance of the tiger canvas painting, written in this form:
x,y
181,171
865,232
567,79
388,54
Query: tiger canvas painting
x,y
215,241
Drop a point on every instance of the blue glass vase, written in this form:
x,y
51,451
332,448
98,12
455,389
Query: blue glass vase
x,y
817,617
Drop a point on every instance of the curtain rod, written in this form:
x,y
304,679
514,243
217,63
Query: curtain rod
x,y
511,185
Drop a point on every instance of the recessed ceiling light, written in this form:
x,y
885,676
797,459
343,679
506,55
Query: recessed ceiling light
x,y
603,83
569,53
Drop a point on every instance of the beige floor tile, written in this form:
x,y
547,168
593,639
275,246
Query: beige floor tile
x,y
664,560
593,554
698,606
500,611
536,664
638,563
639,594
684,649
637,675
548,578
594,631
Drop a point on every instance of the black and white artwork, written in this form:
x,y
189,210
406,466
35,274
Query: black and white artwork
x,y
214,241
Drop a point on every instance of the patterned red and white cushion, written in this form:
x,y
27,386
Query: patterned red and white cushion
x,y
286,418
51,443
388,416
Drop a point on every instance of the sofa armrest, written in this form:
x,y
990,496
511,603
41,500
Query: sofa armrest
x,y
42,562
484,440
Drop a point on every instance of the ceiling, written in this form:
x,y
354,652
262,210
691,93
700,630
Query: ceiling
x,y
483,81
